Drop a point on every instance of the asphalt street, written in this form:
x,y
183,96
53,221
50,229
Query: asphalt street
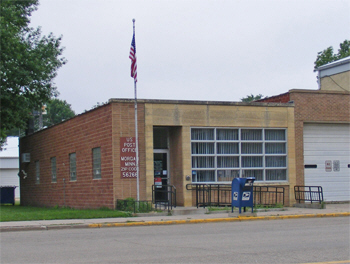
x,y
302,240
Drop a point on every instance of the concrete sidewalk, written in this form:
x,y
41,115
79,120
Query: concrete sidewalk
x,y
331,210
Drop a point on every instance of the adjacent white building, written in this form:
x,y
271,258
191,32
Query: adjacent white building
x,y
9,165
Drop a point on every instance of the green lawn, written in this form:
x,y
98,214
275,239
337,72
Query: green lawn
x,y
27,213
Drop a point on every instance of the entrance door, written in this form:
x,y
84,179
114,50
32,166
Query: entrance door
x,y
161,175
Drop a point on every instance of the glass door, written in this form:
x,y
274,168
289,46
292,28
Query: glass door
x,y
161,175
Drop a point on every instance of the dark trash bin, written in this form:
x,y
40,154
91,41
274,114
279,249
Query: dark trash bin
x,y
7,194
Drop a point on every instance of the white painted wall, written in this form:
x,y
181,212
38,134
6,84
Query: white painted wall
x,y
9,165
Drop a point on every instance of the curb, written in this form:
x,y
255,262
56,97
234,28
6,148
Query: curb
x,y
169,222
214,220
42,228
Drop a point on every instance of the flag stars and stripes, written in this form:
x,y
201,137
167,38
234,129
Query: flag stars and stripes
x,y
132,56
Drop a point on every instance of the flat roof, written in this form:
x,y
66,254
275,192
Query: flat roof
x,y
198,102
318,91
334,67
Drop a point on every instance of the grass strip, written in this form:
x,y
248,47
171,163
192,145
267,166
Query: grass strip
x,y
27,213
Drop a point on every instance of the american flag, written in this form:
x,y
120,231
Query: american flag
x,y
132,56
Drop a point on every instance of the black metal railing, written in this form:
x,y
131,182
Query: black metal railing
x,y
131,205
268,195
308,193
211,194
220,194
165,196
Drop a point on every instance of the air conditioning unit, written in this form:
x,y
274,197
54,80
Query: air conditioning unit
x,y
25,157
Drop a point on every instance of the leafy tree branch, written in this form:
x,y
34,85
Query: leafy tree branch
x,y
29,63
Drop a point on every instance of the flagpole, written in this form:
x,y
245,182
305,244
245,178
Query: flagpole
x,y
136,132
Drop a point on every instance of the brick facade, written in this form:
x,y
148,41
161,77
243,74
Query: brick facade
x,y
314,106
101,127
104,127
77,135
282,98
124,126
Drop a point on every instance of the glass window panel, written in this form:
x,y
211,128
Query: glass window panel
x,y
96,163
251,134
258,174
275,134
202,134
275,148
205,176
252,162
202,148
228,162
251,148
53,170
72,167
276,175
276,161
227,134
37,172
227,175
203,162
227,148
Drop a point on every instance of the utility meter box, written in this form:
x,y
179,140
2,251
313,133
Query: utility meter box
x,y
242,193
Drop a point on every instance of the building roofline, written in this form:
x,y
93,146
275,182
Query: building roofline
x,y
197,102
161,101
334,64
273,96
304,91
318,91
64,121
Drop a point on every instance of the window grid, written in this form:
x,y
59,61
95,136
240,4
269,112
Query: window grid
x,y
96,163
259,153
72,167
53,170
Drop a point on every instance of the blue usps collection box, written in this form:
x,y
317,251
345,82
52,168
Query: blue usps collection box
x,y
242,193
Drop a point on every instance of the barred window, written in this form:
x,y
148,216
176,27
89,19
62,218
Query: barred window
x,y
222,154
53,170
72,167
96,163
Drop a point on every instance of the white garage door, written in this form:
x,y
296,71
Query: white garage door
x,y
9,177
327,159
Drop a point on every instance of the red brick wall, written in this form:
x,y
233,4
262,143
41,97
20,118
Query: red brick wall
x,y
79,134
124,126
316,106
313,106
282,98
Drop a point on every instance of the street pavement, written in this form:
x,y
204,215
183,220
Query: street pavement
x,y
191,217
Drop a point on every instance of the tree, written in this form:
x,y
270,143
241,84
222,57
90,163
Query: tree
x,y
57,111
326,56
251,97
54,112
98,104
29,63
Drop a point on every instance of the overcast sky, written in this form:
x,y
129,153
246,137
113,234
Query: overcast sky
x,y
217,50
